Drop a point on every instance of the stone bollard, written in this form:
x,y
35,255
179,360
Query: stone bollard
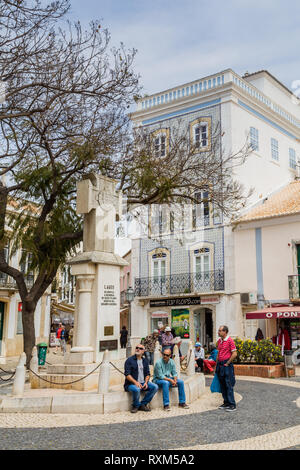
x,y
34,366
177,360
157,353
104,373
191,360
19,380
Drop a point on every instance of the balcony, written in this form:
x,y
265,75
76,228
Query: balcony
x,y
9,283
294,287
175,284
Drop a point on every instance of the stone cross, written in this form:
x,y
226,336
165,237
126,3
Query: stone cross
x,y
100,203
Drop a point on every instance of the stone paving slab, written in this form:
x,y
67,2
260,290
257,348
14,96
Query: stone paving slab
x,y
263,411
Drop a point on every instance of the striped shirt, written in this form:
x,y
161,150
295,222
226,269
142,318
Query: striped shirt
x,y
226,347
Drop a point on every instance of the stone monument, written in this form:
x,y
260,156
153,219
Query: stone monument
x,y
97,271
97,304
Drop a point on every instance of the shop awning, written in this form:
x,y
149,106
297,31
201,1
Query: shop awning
x,y
274,312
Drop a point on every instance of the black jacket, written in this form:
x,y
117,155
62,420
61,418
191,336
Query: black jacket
x,y
131,368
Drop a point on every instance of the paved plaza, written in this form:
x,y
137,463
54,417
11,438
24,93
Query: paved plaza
x,y
268,417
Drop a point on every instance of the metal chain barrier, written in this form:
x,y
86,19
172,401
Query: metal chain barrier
x,y
6,380
65,383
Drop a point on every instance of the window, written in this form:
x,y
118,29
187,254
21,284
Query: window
x,y
292,158
160,146
3,276
274,149
25,262
201,210
200,134
202,264
160,142
254,138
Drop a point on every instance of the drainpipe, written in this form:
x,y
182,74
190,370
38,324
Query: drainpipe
x,y
259,269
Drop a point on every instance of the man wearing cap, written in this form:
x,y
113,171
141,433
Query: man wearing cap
x,y
224,368
167,339
149,342
199,357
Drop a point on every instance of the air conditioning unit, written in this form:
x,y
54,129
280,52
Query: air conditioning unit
x,y
248,298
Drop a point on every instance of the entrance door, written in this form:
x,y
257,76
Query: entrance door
x,y
2,305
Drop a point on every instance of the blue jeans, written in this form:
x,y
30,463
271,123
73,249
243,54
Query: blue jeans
x,y
165,385
150,357
136,391
227,381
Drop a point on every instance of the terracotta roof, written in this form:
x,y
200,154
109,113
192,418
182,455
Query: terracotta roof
x,y
284,202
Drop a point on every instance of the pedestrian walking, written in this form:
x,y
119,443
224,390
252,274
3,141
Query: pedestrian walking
x,y
137,374
58,333
224,368
165,376
63,339
123,337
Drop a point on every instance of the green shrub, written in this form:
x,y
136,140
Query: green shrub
x,y
260,352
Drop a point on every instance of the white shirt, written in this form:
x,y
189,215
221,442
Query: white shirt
x,y
199,354
141,378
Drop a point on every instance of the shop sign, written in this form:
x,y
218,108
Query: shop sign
x,y
175,302
210,300
159,314
289,312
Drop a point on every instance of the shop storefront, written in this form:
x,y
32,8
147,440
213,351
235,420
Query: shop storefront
x,y
191,317
282,325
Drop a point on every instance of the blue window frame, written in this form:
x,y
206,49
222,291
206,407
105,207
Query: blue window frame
x,y
292,158
274,149
254,141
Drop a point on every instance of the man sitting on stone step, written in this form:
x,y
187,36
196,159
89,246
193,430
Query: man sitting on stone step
x,y
137,374
165,376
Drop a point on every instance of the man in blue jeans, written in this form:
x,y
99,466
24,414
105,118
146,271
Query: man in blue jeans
x,y
137,374
165,376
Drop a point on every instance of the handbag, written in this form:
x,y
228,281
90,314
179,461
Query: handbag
x,y
215,385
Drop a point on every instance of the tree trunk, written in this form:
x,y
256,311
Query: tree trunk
x,y
28,309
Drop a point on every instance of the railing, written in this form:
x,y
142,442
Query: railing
x,y
214,81
186,283
294,286
9,283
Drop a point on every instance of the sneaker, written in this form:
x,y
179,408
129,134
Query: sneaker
x,y
231,408
134,409
183,405
224,406
167,408
144,408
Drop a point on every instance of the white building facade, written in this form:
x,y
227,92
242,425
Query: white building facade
x,y
198,278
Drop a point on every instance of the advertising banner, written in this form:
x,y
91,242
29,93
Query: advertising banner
x,y
181,322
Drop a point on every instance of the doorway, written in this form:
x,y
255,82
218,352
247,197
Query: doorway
x,y
203,326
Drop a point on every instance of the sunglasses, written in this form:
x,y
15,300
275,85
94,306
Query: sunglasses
x,y
142,349
167,355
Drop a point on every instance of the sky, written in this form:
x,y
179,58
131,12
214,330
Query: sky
x,y
180,41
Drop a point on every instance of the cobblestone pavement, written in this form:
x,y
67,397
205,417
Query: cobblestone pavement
x,y
267,417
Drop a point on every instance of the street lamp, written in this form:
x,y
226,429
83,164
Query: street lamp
x,y
129,298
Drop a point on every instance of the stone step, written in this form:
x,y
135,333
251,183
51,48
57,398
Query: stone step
x,y
75,369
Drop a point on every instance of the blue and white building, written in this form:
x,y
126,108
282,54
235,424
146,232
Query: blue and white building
x,y
198,275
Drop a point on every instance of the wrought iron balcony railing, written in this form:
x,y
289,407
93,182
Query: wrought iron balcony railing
x,y
9,283
294,286
185,283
